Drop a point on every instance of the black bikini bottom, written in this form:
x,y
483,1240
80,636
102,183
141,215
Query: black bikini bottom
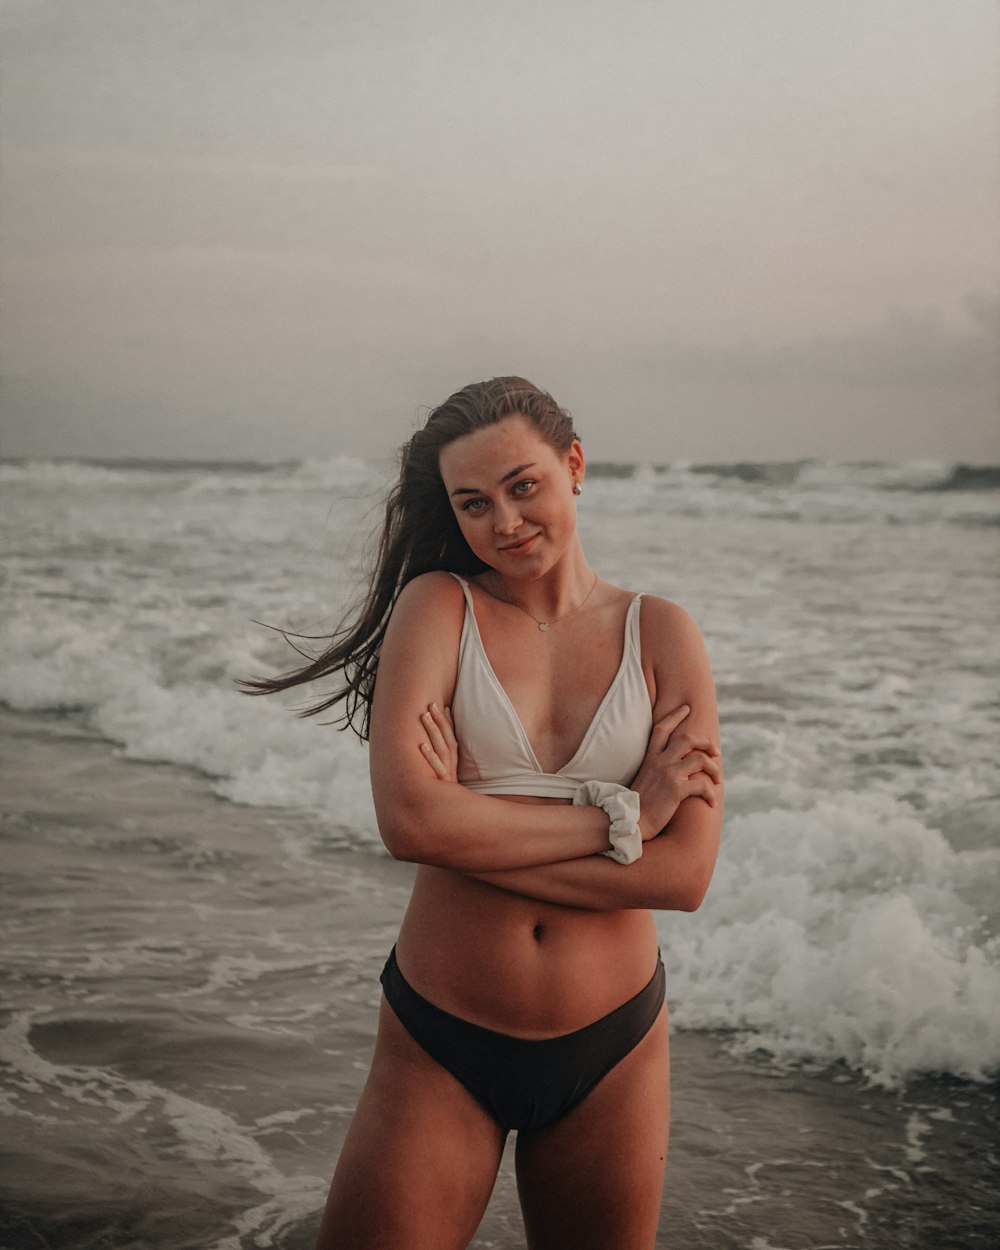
x,y
524,1083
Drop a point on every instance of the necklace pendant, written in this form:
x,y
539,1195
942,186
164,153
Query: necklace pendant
x,y
543,626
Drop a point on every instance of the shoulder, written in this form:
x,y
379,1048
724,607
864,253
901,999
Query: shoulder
x,y
665,621
670,637
430,591
675,660
419,654
431,601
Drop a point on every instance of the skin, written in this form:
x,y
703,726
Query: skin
x,y
516,921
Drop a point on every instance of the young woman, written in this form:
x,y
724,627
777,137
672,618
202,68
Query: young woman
x,y
544,745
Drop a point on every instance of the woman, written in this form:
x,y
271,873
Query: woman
x,y
544,746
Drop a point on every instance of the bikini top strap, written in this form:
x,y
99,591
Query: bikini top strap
x,y
465,587
633,625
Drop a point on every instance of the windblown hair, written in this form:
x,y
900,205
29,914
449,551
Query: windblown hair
x,y
420,534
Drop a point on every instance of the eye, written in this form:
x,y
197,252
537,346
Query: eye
x,y
474,505
524,486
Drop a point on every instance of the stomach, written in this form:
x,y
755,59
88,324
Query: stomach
x,y
516,964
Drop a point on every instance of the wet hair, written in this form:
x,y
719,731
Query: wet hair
x,y
420,534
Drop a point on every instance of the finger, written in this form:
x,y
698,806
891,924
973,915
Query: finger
x,y
433,760
674,718
699,786
699,762
447,729
434,734
697,742
442,716
688,741
667,724
713,768
681,753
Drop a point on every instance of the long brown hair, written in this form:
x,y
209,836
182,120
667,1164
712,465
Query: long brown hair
x,y
420,534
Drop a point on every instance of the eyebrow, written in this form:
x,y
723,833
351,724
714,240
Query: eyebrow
x,y
472,490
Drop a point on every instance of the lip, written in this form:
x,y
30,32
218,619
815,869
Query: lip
x,y
520,548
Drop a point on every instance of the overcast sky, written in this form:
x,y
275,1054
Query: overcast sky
x,y
714,229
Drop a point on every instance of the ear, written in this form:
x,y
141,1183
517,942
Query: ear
x,y
575,460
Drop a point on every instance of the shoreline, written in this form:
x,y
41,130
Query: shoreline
x,y
122,854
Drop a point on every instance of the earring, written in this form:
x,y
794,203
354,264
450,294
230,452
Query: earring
x,y
577,488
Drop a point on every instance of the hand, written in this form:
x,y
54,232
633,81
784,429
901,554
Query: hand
x,y
678,765
440,749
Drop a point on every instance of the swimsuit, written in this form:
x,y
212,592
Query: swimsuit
x,y
496,756
524,1083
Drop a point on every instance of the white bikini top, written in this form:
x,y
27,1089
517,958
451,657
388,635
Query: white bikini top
x,y
496,756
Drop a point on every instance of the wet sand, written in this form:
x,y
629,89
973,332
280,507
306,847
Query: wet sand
x,y
189,997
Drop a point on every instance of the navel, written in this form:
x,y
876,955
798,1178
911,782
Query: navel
x,y
537,932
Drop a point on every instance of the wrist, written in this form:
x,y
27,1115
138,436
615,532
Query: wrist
x,y
650,828
621,805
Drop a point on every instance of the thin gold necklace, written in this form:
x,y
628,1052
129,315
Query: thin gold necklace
x,y
543,625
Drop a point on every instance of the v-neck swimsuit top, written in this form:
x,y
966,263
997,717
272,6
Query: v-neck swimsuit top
x,y
495,756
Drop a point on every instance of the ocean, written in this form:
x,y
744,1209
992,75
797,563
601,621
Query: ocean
x,y
196,902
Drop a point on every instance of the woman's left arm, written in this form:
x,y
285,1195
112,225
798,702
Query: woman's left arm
x,y
672,875
676,867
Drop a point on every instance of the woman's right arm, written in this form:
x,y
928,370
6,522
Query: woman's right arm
x,y
420,817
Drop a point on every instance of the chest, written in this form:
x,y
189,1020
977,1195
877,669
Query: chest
x,y
555,682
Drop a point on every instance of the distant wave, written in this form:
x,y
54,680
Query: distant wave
x,y
33,466
916,475
919,475
890,475
812,491
232,476
971,477
773,472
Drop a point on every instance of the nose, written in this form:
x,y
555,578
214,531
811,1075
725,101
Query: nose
x,y
506,517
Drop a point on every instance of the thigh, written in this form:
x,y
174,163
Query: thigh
x,y
594,1179
419,1161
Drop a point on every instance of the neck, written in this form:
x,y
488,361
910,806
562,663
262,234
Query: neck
x,y
562,591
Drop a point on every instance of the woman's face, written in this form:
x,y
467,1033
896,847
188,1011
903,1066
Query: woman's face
x,y
513,495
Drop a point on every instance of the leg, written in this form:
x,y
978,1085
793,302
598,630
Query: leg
x,y
420,1158
594,1178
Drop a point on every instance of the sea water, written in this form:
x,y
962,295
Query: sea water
x,y
850,933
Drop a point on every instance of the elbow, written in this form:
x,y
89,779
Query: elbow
x,y
695,866
686,894
685,890
400,828
400,849
692,897
695,887
404,828
404,843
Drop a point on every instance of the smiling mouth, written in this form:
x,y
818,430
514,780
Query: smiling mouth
x,y
521,545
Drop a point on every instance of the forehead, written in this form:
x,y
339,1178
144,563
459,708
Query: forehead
x,y
483,457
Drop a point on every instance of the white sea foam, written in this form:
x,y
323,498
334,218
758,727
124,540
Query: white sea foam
x,y
844,931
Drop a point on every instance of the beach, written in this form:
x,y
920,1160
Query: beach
x,y
188,1028
196,905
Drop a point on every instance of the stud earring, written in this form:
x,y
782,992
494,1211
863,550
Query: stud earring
x,y
577,488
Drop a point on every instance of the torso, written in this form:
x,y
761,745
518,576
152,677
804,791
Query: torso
x,y
499,959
